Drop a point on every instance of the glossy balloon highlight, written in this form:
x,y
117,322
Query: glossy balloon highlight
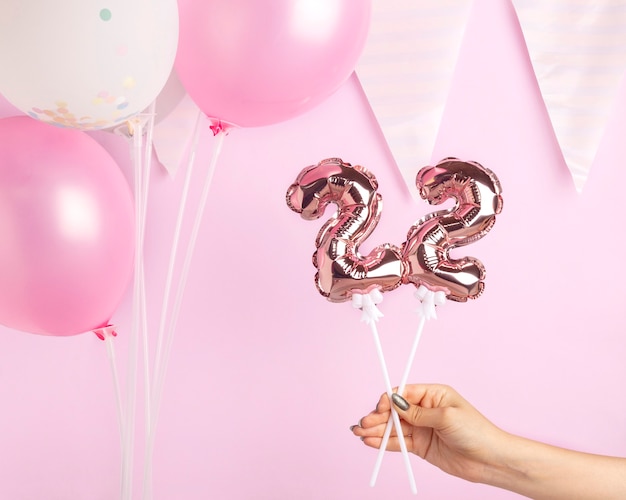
x,y
67,225
257,62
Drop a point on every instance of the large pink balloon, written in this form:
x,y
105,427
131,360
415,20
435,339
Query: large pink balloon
x,y
66,226
257,62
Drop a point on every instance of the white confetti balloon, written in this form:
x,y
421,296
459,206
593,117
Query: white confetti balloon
x,y
86,64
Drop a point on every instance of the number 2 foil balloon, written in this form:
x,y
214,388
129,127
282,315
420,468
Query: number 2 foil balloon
x,y
342,272
476,190
477,193
341,269
423,260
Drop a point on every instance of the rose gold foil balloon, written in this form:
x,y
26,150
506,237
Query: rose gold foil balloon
x,y
342,271
477,193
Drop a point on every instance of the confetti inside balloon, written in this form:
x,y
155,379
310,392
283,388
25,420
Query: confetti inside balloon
x,y
85,66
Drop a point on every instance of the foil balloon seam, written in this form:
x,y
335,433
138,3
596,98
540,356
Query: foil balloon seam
x,y
477,193
423,259
341,268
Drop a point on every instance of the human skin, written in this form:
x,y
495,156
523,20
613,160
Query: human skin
x,y
443,428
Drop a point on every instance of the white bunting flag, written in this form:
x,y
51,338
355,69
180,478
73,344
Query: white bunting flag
x,y
172,135
406,70
578,53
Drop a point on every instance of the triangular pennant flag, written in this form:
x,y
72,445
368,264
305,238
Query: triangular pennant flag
x,y
578,53
406,70
173,134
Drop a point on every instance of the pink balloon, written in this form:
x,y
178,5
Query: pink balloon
x,y
257,62
7,109
67,226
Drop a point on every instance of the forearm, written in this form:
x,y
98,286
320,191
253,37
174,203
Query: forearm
x,y
545,472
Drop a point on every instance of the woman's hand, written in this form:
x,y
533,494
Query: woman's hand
x,y
439,426
443,428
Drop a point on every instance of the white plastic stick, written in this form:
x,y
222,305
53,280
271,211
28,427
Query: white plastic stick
x,y
174,249
405,377
131,386
149,443
143,215
186,266
144,211
106,334
148,164
108,342
144,314
165,340
394,414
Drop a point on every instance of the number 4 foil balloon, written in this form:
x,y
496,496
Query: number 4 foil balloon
x,y
423,260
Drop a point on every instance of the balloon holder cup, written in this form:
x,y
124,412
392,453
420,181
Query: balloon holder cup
x,y
127,128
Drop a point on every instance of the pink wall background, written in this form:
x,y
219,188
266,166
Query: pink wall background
x,y
266,376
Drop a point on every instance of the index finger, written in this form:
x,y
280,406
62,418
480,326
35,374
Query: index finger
x,y
432,395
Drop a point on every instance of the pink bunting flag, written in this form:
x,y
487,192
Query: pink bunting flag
x,y
406,70
578,53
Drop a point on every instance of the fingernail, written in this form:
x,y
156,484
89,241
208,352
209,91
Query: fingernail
x,y
352,428
400,402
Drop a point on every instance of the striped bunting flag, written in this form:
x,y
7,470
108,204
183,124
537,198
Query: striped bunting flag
x,y
406,70
578,53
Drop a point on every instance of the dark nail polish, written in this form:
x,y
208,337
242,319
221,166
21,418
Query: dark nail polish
x,y
352,428
400,402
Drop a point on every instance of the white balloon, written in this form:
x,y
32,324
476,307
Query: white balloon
x,y
86,65
169,98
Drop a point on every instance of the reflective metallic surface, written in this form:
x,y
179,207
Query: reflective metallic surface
x,y
341,268
477,193
424,257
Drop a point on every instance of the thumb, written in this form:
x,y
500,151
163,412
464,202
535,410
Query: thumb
x,y
416,415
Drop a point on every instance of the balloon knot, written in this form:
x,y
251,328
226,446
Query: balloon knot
x,y
106,331
219,127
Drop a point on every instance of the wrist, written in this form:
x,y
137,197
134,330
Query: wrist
x,y
510,465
